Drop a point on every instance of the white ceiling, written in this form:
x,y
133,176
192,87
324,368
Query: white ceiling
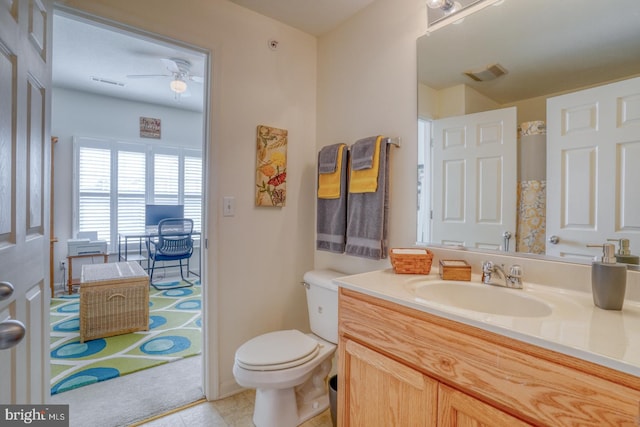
x,y
315,17
84,50
547,46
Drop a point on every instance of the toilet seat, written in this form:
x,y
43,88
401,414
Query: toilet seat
x,y
277,350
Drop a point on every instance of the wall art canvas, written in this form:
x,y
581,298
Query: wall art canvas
x,y
271,166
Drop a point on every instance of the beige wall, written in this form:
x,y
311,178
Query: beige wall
x,y
367,86
358,80
257,258
427,102
456,100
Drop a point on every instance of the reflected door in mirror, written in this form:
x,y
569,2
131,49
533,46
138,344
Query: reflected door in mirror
x,y
474,179
593,168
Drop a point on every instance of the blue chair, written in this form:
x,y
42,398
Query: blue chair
x,y
174,243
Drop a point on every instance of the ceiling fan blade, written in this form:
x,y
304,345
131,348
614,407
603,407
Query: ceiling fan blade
x,y
196,79
145,76
170,64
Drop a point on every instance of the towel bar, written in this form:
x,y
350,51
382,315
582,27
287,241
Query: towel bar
x,y
394,141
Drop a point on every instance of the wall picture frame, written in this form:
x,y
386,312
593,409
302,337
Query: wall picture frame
x,y
150,127
271,166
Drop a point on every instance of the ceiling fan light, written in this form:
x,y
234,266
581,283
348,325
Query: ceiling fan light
x,y
178,86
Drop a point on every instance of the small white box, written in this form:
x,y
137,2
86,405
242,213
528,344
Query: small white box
x,y
86,247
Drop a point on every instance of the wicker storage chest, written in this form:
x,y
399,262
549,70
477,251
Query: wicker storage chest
x,y
114,300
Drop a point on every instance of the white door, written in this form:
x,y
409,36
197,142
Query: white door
x,y
25,52
474,180
593,168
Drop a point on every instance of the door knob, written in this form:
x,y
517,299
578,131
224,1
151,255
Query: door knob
x,y
6,290
11,333
553,239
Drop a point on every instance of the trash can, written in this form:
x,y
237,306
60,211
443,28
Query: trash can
x,y
333,399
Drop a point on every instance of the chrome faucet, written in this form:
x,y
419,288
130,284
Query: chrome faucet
x,y
512,280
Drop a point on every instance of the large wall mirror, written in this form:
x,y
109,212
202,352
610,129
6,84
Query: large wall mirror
x,y
538,88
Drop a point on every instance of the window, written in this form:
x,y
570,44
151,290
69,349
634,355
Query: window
x,y
166,181
193,189
94,191
131,193
114,180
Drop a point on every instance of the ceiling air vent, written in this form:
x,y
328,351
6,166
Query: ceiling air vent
x,y
107,82
489,73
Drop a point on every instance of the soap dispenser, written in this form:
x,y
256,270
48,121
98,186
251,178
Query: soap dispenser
x,y
624,252
608,279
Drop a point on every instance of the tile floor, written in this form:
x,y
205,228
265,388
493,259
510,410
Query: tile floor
x,y
234,411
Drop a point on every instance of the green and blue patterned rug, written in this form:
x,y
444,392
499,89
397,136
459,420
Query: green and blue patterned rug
x,y
174,333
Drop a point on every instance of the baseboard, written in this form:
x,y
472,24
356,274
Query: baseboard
x,y
228,389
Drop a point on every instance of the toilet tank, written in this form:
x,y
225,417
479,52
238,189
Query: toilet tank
x,y
322,301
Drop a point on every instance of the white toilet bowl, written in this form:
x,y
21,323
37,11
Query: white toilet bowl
x,y
289,369
288,392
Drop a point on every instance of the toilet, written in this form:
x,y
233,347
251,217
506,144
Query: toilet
x,y
289,368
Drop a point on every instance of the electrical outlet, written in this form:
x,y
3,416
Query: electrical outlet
x,y
62,264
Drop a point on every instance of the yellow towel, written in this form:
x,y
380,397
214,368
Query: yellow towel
x,y
329,183
366,180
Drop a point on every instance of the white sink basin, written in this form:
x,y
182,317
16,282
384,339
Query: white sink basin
x,y
480,298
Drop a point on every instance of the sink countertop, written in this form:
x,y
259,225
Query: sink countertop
x,y
576,327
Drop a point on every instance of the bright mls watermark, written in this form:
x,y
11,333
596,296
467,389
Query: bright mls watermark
x,y
34,415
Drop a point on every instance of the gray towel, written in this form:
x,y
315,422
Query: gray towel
x,y
331,218
367,215
362,153
328,158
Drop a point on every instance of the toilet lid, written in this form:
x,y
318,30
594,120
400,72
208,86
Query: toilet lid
x,y
277,350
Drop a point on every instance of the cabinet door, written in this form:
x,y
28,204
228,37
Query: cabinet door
x,y
461,410
378,391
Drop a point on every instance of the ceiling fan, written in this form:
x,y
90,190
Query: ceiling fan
x,y
180,70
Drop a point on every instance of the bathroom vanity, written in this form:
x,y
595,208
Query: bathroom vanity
x,y
407,360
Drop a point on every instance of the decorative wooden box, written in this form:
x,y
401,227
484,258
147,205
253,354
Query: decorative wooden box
x,y
455,270
114,300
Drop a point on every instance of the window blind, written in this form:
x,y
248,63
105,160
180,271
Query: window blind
x,y
131,191
193,189
114,181
166,178
94,192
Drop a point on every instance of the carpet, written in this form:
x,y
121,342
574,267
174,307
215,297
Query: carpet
x,y
174,333
123,401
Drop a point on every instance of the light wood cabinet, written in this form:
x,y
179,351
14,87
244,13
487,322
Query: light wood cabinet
x,y
456,409
404,367
383,392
